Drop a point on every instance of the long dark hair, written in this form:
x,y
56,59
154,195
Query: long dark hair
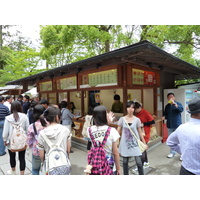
x,y
50,115
16,107
129,104
37,111
100,115
73,106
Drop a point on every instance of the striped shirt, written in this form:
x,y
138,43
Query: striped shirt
x,y
4,111
186,141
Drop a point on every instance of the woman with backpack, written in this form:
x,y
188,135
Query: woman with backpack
x,y
33,133
15,119
55,133
101,135
128,144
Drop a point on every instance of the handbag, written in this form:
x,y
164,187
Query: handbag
x,y
141,145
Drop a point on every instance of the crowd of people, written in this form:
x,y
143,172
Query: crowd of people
x,y
51,125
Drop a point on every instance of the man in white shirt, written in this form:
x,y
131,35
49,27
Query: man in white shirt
x,y
186,139
8,101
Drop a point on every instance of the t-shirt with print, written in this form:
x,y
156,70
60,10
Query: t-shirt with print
x,y
128,144
99,133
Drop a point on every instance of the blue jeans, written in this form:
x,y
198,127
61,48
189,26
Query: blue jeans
x,y
36,164
2,147
171,130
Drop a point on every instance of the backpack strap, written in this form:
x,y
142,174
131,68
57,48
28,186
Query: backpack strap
x,y
60,139
63,110
92,137
106,136
50,144
104,140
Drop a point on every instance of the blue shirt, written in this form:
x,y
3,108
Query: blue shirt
x,y
26,106
66,117
186,141
173,115
4,111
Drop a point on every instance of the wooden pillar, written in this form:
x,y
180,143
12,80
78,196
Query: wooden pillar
x,y
155,96
124,83
82,103
25,87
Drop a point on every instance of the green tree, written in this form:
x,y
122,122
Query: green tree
x,y
17,58
185,39
63,44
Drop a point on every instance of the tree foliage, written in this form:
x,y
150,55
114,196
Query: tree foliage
x,y
64,44
17,58
184,39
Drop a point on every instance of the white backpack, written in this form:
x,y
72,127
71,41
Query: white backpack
x,y
18,138
57,162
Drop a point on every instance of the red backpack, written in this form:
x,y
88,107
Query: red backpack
x,y
97,156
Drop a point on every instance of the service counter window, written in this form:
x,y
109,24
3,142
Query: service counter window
x,y
75,97
52,98
102,97
67,83
43,96
61,96
134,95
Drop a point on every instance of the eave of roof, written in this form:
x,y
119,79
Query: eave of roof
x,y
144,52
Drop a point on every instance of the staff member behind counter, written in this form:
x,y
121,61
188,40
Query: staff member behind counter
x,y
117,106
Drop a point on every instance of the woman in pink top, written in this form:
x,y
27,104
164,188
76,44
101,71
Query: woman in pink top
x,y
33,132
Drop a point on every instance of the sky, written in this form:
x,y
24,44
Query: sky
x,y
29,31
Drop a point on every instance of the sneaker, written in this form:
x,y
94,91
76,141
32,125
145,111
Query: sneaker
x,y
171,155
146,165
135,171
10,172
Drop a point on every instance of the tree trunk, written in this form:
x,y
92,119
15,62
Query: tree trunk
x,y
144,32
107,42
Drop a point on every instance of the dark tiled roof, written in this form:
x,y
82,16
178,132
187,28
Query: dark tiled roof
x,y
144,53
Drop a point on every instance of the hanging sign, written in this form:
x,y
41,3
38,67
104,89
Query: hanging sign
x,y
140,77
67,83
46,86
104,78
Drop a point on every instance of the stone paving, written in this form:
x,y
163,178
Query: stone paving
x,y
159,163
